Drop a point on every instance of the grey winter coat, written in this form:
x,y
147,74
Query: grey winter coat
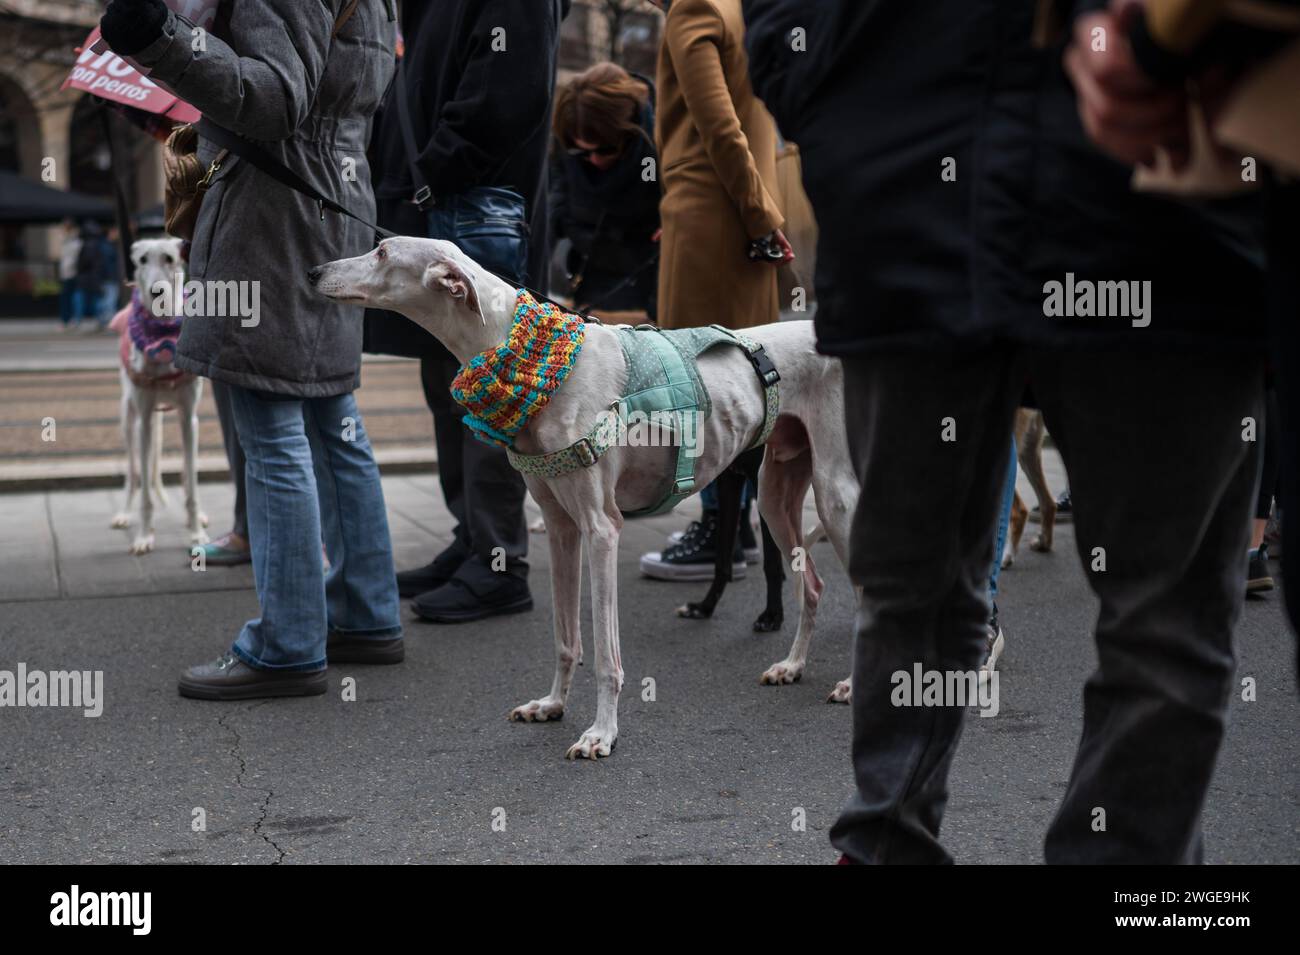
x,y
272,73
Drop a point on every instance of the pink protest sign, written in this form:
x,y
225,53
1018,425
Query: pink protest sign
x,y
103,73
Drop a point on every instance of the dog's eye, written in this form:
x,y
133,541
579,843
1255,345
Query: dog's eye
x,y
380,253
170,260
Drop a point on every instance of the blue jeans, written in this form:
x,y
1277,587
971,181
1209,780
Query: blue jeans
x,y
311,477
488,224
1004,522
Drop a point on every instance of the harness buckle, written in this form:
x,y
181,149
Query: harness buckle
x,y
423,196
585,452
764,366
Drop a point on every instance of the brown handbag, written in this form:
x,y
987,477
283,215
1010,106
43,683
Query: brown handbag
x,y
186,181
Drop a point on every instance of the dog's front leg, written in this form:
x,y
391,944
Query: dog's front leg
x,y
601,539
130,438
143,542
566,595
195,519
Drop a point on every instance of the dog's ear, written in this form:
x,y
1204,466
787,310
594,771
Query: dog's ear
x,y
448,277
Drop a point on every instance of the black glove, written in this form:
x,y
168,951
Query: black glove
x,y
128,26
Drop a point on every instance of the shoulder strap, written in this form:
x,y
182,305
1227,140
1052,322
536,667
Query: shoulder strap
x,y
344,16
423,196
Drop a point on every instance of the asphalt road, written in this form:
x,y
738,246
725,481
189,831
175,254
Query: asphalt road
x,y
423,763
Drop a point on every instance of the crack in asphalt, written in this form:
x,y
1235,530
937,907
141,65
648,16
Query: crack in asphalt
x,y
239,781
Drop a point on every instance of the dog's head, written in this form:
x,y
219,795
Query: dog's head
x,y
430,281
155,266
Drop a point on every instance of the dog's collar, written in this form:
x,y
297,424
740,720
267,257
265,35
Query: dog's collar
x,y
505,387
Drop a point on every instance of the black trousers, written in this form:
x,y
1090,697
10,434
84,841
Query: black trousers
x,y
1171,586
483,492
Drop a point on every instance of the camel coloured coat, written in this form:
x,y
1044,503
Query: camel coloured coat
x,y
717,163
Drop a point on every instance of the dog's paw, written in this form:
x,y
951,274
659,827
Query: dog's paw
x,y
1040,544
1008,559
120,520
694,611
769,621
203,521
199,537
843,692
593,744
537,711
538,526
783,672
142,544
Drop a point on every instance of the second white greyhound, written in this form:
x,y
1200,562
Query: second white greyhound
x,y
152,384
470,310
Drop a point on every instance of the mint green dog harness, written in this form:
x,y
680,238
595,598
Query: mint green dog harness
x,y
664,387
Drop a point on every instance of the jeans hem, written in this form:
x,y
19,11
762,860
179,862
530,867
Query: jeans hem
x,y
257,664
384,633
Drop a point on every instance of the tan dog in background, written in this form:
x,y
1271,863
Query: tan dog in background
x,y
1030,433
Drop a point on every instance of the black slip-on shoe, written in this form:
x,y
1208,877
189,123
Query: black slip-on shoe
x,y
230,678
343,648
475,593
420,580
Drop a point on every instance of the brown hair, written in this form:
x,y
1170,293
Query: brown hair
x,y
601,105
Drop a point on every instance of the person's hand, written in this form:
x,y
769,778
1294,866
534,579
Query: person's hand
x,y
784,243
1122,110
128,26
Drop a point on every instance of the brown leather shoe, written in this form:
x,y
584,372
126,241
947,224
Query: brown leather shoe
x,y
230,678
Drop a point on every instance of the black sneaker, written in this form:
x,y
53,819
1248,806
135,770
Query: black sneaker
x,y
476,592
993,648
748,543
412,583
1258,578
1064,512
692,557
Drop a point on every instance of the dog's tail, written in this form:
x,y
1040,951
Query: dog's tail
x,y
154,482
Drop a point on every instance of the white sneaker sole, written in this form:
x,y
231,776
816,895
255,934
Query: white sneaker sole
x,y
653,566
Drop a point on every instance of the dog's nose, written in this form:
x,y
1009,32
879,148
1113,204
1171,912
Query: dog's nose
x,y
313,275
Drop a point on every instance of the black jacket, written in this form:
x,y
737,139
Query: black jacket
x,y
888,95
609,215
479,75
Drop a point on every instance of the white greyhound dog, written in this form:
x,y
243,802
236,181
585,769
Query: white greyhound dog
x,y
470,310
151,384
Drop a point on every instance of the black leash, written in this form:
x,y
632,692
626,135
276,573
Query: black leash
x,y
259,158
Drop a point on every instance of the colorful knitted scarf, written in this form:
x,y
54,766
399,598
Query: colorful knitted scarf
x,y
155,336
504,387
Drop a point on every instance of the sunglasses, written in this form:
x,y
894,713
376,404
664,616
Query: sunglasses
x,y
578,153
